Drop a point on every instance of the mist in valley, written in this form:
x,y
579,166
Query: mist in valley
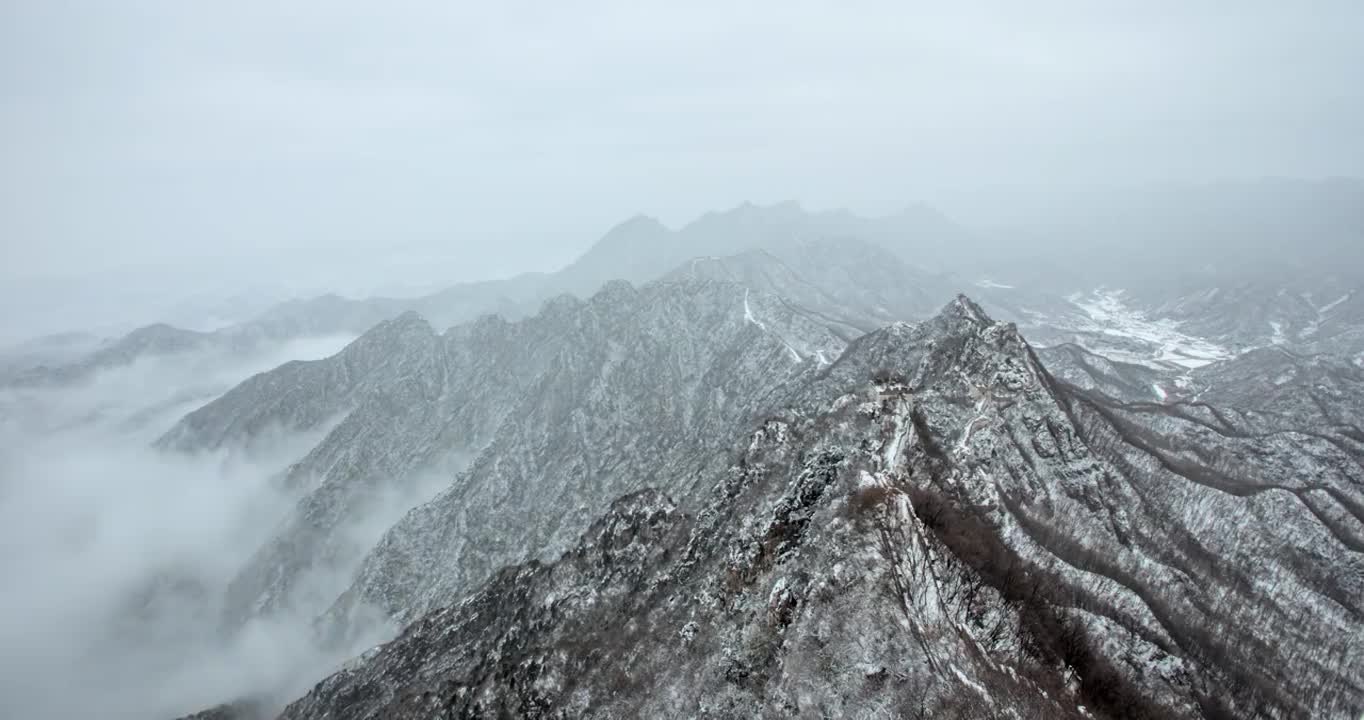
x,y
116,554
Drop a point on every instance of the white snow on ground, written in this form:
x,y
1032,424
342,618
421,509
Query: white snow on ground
x,y
1311,328
748,312
988,283
748,317
1328,307
1159,391
891,452
973,424
1109,315
980,689
1278,338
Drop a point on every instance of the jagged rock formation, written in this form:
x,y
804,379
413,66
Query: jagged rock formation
x,y
564,408
596,426
745,489
933,524
303,395
1093,530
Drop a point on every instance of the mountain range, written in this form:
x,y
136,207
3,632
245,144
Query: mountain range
x,y
902,265
929,522
778,463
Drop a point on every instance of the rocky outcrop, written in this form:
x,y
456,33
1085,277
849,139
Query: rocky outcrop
x,y
594,425
933,525
303,395
558,414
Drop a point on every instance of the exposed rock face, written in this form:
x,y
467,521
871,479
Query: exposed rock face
x,y
559,413
303,395
746,489
966,536
595,426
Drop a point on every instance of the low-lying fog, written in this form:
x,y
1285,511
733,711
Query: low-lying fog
x,y
114,555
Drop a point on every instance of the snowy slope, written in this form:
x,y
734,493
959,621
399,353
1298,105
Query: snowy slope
x,y
961,536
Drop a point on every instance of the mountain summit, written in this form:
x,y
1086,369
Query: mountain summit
x,y
929,524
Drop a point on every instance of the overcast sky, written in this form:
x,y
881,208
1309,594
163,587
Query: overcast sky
x,y
150,137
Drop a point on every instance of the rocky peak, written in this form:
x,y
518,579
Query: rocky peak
x,y
804,583
303,395
957,535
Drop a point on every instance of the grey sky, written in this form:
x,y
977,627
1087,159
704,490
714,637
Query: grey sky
x,y
482,139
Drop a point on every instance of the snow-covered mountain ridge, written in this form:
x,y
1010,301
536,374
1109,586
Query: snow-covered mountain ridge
x,y
921,518
934,524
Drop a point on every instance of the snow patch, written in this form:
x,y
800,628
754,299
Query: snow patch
x,y
1328,307
748,313
1109,315
778,590
1311,328
1277,336
895,446
980,689
749,317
